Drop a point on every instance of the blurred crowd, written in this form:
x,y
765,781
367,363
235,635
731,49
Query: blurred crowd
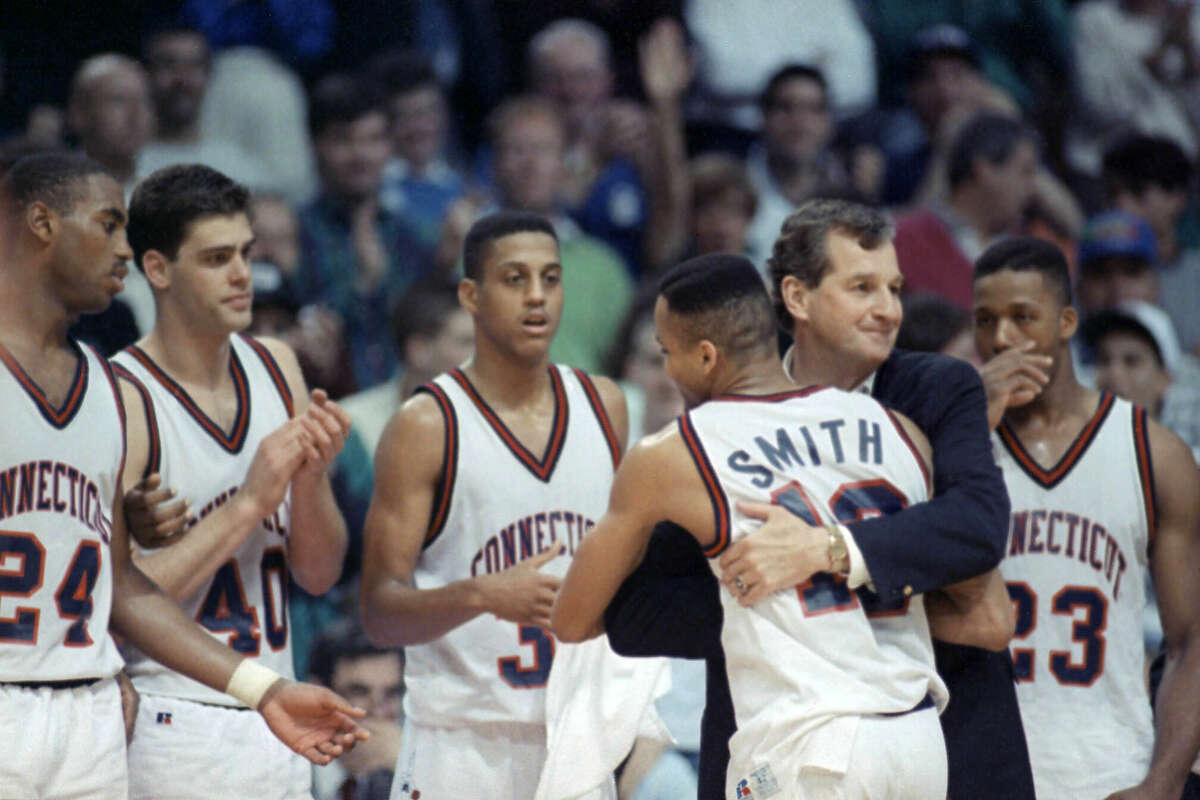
x,y
373,134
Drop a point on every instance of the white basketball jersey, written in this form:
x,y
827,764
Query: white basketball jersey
x,y
60,469
497,505
244,605
1077,553
811,659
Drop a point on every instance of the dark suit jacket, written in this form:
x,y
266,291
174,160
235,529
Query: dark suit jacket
x,y
670,606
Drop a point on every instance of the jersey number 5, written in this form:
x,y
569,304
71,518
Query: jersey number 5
x,y
823,592
22,571
1087,631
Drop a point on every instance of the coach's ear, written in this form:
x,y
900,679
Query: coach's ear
x,y
155,267
795,296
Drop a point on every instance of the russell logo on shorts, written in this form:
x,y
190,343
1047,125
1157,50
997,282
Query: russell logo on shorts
x,y
758,784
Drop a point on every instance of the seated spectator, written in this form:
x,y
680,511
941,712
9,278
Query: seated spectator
x,y
110,114
372,679
934,325
1150,176
1117,254
724,203
177,62
418,183
276,233
1139,358
651,397
1136,70
529,142
991,174
357,257
792,160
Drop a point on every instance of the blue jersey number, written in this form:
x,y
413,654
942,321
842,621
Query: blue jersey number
x,y
225,609
823,592
22,570
1086,630
533,676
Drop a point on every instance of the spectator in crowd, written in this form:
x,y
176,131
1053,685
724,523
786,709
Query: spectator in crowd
x,y
625,162
740,45
932,324
991,174
1150,176
1136,66
529,146
276,233
371,679
357,257
724,203
1138,358
792,161
1117,254
418,182
177,62
110,114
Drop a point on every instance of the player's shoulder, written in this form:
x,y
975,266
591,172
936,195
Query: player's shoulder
x,y
277,349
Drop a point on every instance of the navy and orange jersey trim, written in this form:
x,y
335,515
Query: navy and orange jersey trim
x,y
912,447
236,438
272,367
1141,443
439,510
777,397
58,417
154,456
116,390
593,396
541,468
1050,478
720,503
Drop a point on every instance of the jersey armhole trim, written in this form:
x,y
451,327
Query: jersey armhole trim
x,y
915,452
593,396
272,367
440,508
1141,442
154,457
716,494
116,390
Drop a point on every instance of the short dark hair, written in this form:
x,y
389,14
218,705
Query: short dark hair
x,y
1106,322
802,248
1028,253
714,174
342,640
724,300
496,226
930,323
339,99
1135,163
992,137
51,178
401,71
166,202
788,72
423,310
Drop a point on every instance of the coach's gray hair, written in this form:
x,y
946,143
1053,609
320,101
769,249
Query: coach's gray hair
x,y
802,248
565,30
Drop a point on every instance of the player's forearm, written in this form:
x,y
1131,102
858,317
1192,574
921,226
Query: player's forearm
x,y
157,626
398,615
181,569
317,542
977,612
1177,719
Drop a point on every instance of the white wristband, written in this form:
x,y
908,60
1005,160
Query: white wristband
x,y
250,681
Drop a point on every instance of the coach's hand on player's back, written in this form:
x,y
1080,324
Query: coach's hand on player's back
x,y
1013,378
522,593
312,720
153,514
783,552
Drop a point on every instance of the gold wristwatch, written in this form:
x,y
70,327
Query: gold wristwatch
x,y
839,555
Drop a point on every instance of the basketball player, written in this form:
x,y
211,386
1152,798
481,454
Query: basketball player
x,y
822,701
227,422
65,567
481,480
1098,489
